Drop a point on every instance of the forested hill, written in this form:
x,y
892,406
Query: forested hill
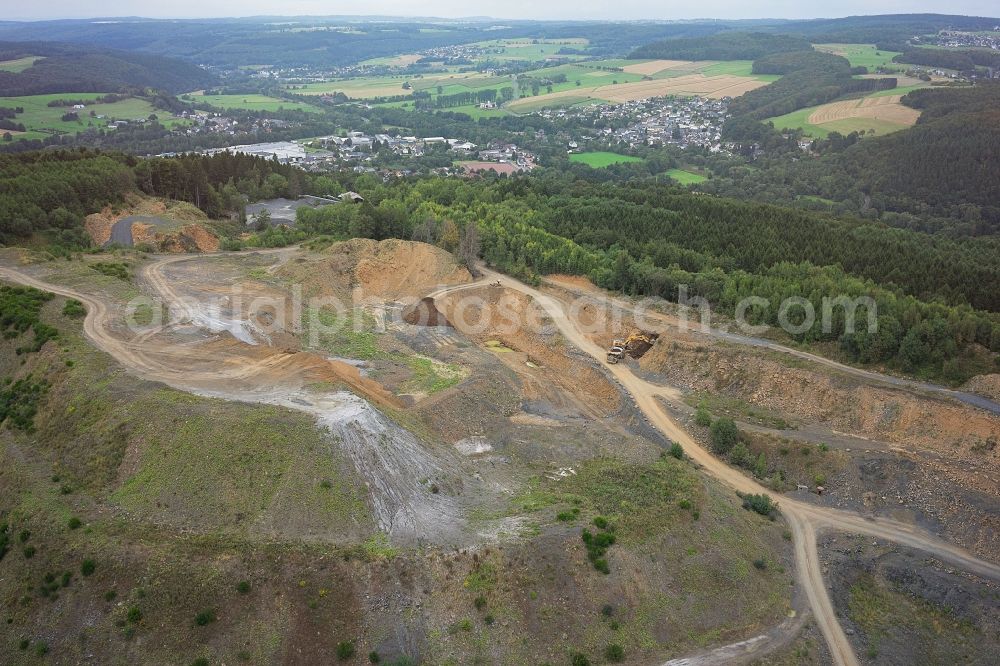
x,y
722,46
885,29
74,68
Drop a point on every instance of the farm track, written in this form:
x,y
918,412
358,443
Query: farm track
x,y
804,519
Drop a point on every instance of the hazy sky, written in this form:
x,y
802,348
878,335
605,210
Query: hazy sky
x,y
528,9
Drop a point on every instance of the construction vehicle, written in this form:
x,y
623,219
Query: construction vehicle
x,y
635,345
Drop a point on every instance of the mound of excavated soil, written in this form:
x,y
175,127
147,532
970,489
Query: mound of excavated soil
x,y
387,269
987,385
189,238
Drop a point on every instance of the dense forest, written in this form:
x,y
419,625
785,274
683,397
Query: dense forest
x,y
69,68
937,297
50,193
722,46
649,240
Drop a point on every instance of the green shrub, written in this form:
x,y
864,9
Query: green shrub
x,y
42,648
724,435
110,595
607,610
480,602
702,416
23,536
29,552
24,644
205,617
4,539
760,564
601,522
684,504
113,269
200,661
345,650
134,615
677,451
614,653
762,504
74,523
243,587
19,403
73,308
87,567
579,659
373,657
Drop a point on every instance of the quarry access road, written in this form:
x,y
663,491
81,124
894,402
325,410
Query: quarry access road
x,y
650,316
803,519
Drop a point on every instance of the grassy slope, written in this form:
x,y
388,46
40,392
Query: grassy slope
x,y
38,116
19,65
686,177
600,159
862,55
251,102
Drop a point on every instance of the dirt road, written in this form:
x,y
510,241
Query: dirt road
x,y
911,384
804,519
182,369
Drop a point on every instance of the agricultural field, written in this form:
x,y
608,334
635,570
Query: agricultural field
x,y
249,102
686,177
879,113
688,84
18,65
391,86
41,120
537,50
862,55
601,159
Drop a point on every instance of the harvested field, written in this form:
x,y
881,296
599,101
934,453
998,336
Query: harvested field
x,y
691,84
886,108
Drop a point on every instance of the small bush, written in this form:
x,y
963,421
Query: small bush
x,y
24,536
724,435
614,653
579,660
607,610
110,595
702,416
134,615
820,479
205,617
243,587
87,567
29,552
760,564
480,602
74,309
24,644
488,620
200,661
42,648
684,504
373,657
601,522
345,650
677,451
762,504
74,523
565,516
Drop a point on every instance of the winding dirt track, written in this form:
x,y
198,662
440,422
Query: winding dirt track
x,y
804,519
911,384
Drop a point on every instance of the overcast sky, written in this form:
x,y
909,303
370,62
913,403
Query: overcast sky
x,y
527,9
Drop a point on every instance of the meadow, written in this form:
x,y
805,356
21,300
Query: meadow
x,y
878,113
18,65
686,177
862,55
600,159
41,120
250,102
